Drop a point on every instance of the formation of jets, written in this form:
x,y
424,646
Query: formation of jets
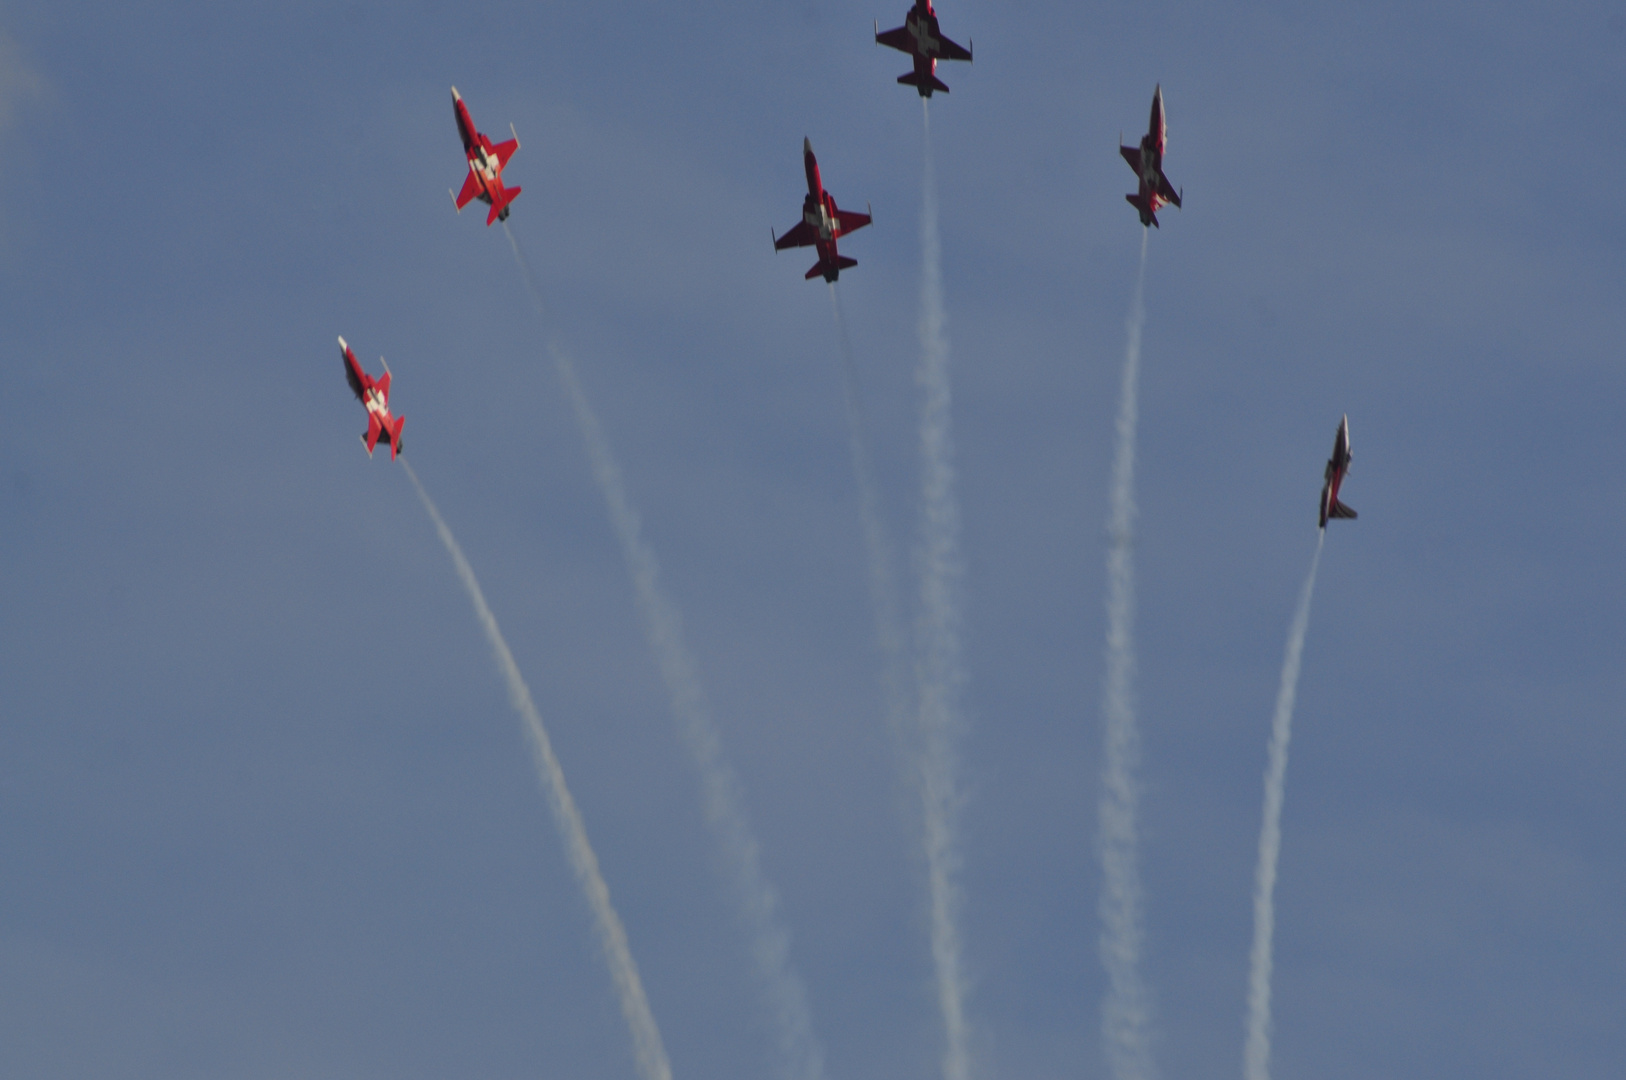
x,y
823,223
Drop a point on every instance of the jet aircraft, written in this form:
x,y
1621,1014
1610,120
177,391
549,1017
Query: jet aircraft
x,y
485,165
919,37
1147,161
376,397
1337,466
821,223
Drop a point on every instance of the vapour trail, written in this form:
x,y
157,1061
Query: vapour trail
x,y
883,588
940,671
721,794
612,936
1126,1014
1256,1051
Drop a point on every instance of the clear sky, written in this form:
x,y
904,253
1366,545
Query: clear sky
x,y
265,811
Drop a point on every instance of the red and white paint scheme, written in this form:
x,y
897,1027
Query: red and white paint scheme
x,y
821,223
920,38
486,163
1147,160
1337,466
376,397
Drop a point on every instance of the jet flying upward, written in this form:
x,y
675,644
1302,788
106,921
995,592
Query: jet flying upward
x,y
821,223
1337,466
376,397
1147,161
920,38
485,165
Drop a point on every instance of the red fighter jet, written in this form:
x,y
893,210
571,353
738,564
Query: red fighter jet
x,y
376,397
1147,161
1337,466
919,37
485,165
821,223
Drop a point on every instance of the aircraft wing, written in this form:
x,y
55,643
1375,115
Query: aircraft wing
x,y
1165,190
801,236
898,39
851,221
950,51
1131,154
504,151
471,188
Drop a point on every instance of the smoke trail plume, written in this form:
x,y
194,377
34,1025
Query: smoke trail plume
x,y
1126,1014
1256,1051
720,788
612,936
883,589
939,669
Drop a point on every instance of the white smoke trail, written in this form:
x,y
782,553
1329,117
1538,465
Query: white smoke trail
x,y
1126,1014
720,788
612,936
889,637
1256,1052
940,670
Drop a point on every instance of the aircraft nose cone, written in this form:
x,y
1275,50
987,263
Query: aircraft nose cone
x,y
807,145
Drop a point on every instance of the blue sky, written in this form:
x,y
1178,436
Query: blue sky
x,y
264,809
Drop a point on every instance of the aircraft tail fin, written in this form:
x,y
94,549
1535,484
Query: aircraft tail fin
x,y
924,83
1339,510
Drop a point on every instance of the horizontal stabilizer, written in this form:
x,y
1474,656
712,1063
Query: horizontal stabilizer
x,y
499,205
924,84
1147,217
1339,510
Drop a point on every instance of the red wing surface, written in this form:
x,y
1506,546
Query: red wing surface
x,y
801,236
851,221
504,151
471,188
950,51
1131,154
